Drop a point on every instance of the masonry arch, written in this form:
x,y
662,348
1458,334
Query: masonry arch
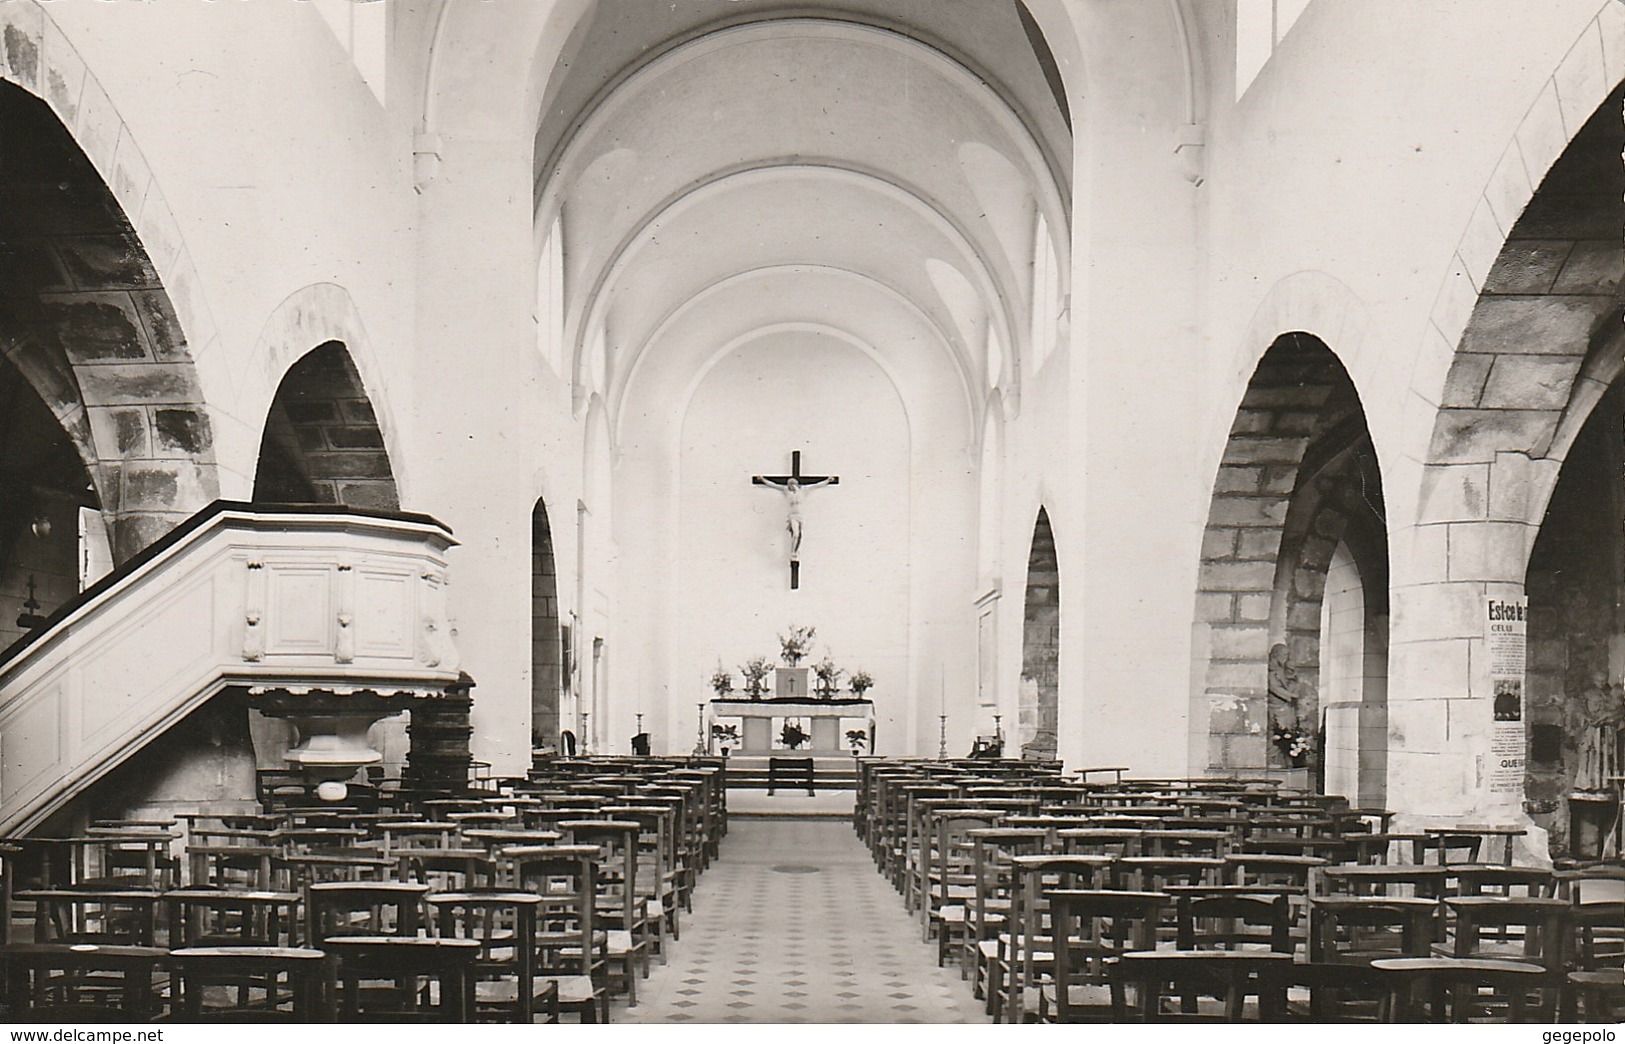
x,y
1297,481
85,316
322,443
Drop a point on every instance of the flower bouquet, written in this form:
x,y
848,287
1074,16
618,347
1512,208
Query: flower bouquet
x,y
755,671
829,676
1293,742
861,682
796,645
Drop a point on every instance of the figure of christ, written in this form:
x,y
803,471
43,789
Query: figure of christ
x,y
794,486
794,492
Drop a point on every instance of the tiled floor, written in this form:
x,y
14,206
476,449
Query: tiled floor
x,y
793,924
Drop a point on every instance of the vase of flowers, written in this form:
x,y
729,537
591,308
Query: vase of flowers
x,y
722,680
860,682
792,734
793,647
755,671
857,740
829,676
1293,743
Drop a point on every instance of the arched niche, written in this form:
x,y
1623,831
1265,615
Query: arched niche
x,y
322,443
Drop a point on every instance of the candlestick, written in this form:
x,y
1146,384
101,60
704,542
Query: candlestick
x,y
942,741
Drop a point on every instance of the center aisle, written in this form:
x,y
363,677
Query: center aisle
x,y
794,924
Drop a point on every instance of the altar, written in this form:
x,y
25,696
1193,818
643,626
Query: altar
x,y
762,722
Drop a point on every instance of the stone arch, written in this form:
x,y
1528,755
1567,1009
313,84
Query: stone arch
x,y
1539,308
316,315
1298,468
1576,94
88,316
322,443
1037,722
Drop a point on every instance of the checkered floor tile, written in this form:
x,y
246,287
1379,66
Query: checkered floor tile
x,y
793,924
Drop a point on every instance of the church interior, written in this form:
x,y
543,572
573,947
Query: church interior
x,y
812,511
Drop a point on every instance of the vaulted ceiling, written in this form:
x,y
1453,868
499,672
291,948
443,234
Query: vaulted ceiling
x,y
716,168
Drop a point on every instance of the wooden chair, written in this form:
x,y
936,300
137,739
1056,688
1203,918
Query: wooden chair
x,y
79,982
231,917
1234,922
1335,993
269,984
1447,989
1088,929
570,951
1533,931
368,908
949,874
1229,977
447,869
1359,929
621,913
988,911
430,980
506,987
1598,896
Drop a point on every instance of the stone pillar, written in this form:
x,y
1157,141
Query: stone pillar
x,y
1441,698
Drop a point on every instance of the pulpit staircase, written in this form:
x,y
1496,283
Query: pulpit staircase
x,y
299,600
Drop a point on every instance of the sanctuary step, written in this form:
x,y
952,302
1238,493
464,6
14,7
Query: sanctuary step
x,y
750,772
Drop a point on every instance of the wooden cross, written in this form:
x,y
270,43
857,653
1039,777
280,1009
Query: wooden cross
x,y
794,487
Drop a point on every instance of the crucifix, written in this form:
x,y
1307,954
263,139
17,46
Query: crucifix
x,y
794,486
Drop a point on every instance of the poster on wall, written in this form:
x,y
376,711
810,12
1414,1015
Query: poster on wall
x,y
1505,634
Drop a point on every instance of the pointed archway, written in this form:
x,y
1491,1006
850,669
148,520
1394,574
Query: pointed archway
x,y
546,640
1038,710
322,443
1298,488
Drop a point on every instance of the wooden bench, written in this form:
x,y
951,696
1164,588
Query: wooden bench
x,y
790,772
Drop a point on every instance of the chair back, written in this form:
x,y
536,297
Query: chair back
x,y
1089,928
335,908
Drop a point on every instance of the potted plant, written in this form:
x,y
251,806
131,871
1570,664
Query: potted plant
x,y
829,676
755,671
796,645
792,735
722,681
858,740
860,682
724,736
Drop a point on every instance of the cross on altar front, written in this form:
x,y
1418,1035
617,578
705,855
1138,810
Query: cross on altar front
x,y
794,486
